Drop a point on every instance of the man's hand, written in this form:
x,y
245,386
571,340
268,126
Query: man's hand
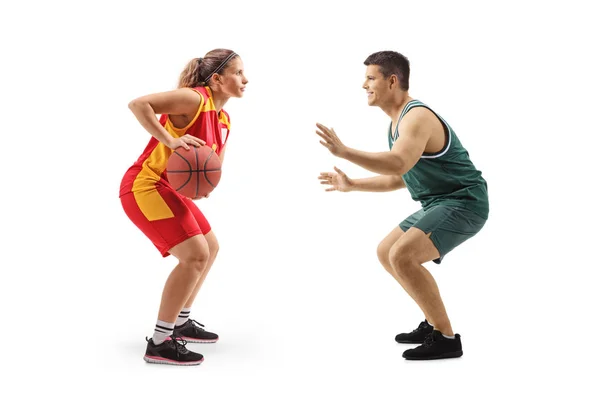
x,y
331,140
338,180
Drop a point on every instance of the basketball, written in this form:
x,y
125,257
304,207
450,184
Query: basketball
x,y
194,173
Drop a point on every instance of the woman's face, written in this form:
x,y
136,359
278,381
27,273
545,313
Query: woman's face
x,y
232,79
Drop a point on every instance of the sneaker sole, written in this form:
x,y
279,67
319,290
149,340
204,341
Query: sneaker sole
x,y
452,354
410,341
194,340
159,360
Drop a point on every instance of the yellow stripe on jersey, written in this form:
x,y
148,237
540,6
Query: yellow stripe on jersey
x,y
149,200
152,205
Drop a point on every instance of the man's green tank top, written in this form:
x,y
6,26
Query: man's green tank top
x,y
447,177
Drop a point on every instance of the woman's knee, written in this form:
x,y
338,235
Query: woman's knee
x,y
193,253
213,245
195,260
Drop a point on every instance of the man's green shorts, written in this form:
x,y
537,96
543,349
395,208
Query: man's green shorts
x,y
449,226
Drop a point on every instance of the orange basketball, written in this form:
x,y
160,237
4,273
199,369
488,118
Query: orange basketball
x,y
194,173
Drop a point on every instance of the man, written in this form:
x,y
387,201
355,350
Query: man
x,y
427,158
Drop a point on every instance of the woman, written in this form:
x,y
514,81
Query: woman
x,y
192,115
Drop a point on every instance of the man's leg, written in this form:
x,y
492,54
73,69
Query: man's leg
x,y
406,256
383,254
436,233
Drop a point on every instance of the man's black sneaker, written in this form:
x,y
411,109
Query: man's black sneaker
x,y
172,351
417,336
436,346
193,332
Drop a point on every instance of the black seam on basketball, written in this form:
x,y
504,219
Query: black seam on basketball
x,y
197,175
205,171
189,177
193,170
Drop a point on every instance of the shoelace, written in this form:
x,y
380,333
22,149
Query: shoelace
x,y
429,340
196,327
178,344
423,325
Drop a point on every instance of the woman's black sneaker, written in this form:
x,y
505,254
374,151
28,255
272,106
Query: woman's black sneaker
x,y
194,332
172,351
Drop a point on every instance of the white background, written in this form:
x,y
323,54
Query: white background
x,y
303,308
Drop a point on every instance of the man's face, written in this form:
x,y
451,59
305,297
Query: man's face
x,y
376,85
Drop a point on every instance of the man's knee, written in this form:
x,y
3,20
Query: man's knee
x,y
383,254
401,258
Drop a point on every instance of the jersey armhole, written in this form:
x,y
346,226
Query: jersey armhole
x,y
447,135
185,128
228,128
